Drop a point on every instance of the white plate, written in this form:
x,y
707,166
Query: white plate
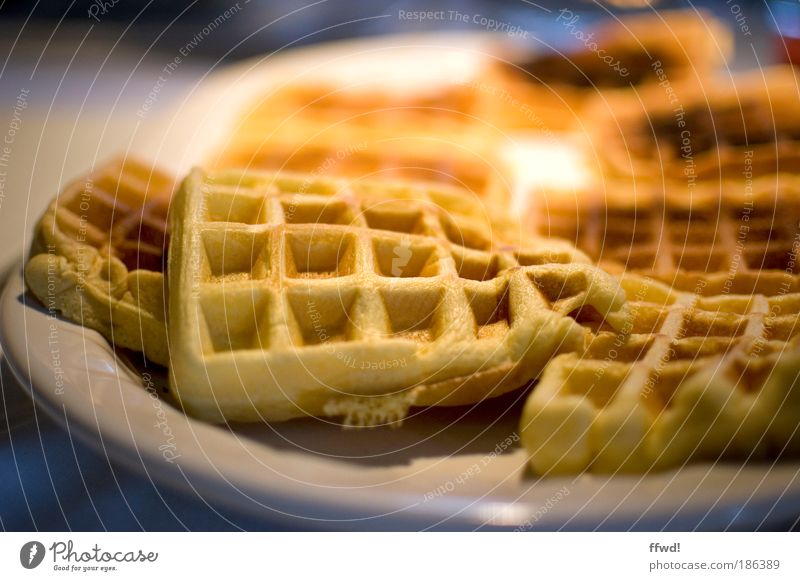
x,y
447,468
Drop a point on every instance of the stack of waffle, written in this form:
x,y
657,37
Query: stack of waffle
x,y
386,275
709,368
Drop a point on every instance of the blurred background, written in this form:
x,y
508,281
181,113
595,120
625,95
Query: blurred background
x,y
161,27
77,64
80,63
53,32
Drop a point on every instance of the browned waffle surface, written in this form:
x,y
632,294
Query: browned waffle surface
x,y
715,128
423,135
98,255
724,238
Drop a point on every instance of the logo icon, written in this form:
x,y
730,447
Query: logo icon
x,y
31,554
401,256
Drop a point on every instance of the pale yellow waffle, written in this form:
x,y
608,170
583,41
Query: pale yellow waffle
x,y
98,255
552,89
293,296
693,378
728,127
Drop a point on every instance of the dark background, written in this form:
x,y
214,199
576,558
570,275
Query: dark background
x,y
162,27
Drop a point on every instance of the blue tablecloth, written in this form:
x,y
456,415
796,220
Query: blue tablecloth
x,y
52,482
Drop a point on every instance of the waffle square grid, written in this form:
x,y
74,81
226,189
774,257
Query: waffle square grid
x,y
293,295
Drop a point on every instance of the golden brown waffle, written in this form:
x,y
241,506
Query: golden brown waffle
x,y
551,90
428,134
692,378
726,128
733,237
460,157
366,106
98,255
295,295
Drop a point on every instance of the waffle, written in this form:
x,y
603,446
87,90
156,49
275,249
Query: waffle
x,y
707,369
97,257
426,134
722,129
692,378
733,237
552,89
446,103
301,145
358,133
294,295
